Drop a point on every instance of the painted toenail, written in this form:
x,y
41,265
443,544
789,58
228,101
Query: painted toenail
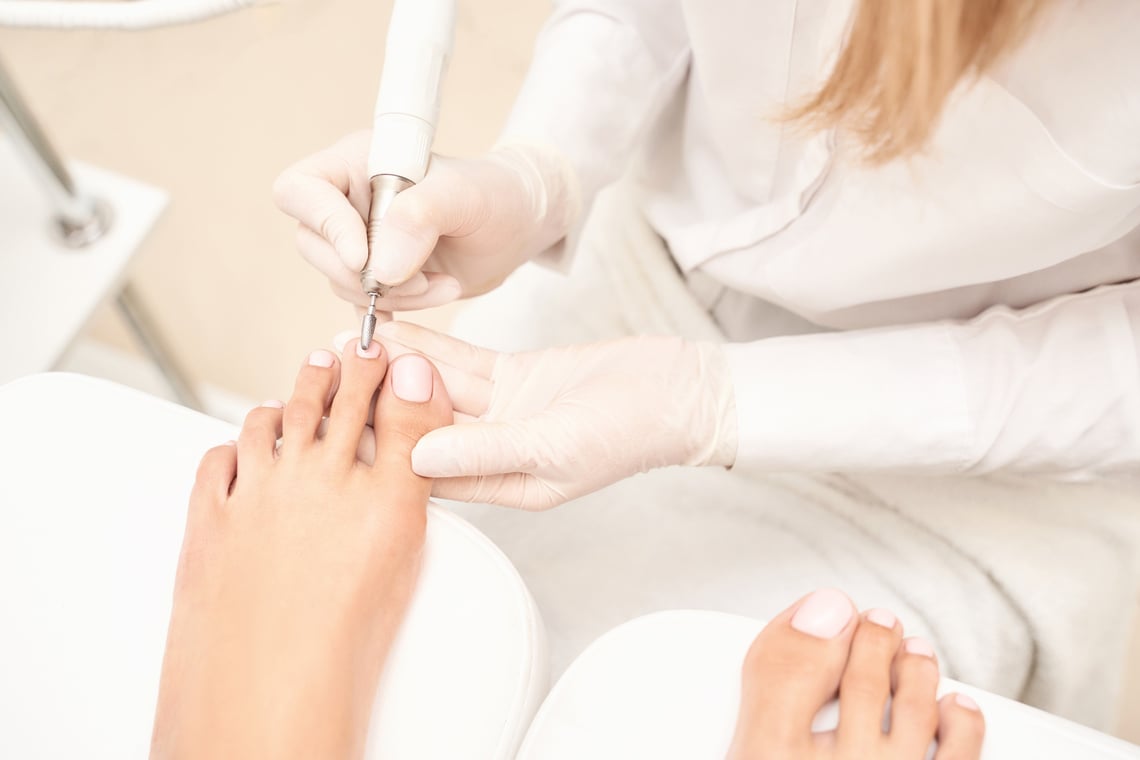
x,y
919,646
882,617
321,358
412,379
273,404
372,352
966,702
824,614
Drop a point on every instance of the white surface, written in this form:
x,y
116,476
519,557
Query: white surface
x,y
668,686
48,291
140,14
90,357
92,503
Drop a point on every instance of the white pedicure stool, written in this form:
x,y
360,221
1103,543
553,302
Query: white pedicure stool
x,y
93,488
667,686
93,500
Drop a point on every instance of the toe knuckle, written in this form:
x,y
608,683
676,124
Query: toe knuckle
x,y
921,711
302,411
864,684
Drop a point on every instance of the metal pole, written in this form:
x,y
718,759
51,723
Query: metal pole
x,y
138,318
80,219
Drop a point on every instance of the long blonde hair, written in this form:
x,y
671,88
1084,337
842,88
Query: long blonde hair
x,y
901,61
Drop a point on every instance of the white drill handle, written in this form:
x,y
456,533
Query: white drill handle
x,y
420,37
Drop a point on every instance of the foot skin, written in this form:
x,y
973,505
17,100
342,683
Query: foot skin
x,y
822,646
298,564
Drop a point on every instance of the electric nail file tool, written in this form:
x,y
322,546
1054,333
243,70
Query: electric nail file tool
x,y
420,37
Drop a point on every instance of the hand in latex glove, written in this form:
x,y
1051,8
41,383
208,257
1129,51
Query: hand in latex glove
x,y
539,428
467,225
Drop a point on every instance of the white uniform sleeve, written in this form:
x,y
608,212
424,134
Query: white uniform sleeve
x,y
1050,389
601,69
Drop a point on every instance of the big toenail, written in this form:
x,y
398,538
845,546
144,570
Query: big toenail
x,y
882,617
412,379
824,614
372,352
919,646
321,358
966,702
273,404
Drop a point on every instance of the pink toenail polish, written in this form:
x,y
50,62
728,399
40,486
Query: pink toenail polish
x,y
372,352
882,617
412,379
273,404
966,702
824,614
919,646
321,358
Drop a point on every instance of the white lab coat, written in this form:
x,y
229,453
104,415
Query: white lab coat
x,y
977,308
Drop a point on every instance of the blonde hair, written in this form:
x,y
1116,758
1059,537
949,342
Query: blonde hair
x,y
901,61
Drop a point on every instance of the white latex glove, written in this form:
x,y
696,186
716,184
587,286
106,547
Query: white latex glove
x,y
467,225
539,428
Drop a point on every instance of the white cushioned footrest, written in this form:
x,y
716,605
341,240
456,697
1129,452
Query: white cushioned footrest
x,y
667,686
93,493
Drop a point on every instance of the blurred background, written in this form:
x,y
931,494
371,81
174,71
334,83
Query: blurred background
x,y
210,113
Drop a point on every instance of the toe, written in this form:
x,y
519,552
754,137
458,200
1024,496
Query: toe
x,y
866,683
314,389
961,728
914,708
792,669
216,473
257,442
361,373
412,402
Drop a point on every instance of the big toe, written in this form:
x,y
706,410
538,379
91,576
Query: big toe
x,y
360,377
413,401
792,669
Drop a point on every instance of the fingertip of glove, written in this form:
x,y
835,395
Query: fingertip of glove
x,y
430,459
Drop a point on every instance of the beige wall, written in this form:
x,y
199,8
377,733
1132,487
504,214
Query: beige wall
x,y
212,112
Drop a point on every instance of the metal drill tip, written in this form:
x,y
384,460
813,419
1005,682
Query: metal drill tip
x,y
367,329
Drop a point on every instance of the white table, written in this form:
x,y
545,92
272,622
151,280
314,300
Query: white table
x,y
47,290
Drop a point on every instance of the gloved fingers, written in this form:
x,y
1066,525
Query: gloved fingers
x,y
481,448
320,255
470,393
416,286
354,295
444,203
519,490
442,289
442,348
316,192
323,257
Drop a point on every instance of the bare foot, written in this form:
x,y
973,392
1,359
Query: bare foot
x,y
821,646
297,566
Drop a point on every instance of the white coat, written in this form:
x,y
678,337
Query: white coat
x,y
975,308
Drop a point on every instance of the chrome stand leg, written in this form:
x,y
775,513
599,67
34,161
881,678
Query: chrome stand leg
x,y
138,318
80,221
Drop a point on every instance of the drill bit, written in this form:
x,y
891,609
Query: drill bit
x,y
368,327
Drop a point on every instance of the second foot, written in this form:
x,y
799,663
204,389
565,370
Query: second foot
x,y
822,647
